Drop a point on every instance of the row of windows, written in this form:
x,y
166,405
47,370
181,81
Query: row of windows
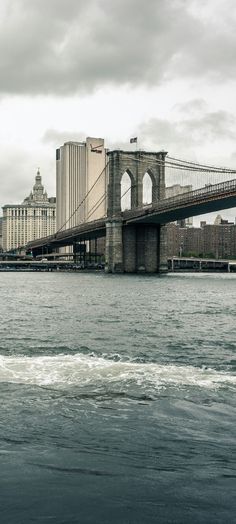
x,y
21,212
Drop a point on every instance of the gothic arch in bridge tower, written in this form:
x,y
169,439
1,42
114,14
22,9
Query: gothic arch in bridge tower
x,y
149,188
136,164
126,190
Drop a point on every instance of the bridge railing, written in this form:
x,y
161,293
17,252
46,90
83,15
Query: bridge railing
x,y
205,192
67,233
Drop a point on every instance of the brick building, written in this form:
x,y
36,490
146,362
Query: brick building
x,y
209,240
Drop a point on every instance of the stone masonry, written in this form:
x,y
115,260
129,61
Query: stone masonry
x,y
139,247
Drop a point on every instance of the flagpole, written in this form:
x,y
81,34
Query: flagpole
x,y
134,140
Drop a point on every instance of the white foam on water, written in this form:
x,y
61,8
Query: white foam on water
x,y
86,370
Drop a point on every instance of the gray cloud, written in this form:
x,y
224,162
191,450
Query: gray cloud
x,y
190,128
62,46
196,106
56,138
13,188
189,133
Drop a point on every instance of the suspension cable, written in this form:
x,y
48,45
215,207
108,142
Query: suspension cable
x,y
84,199
95,207
181,165
202,165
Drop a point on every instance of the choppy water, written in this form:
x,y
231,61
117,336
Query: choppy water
x,y
117,399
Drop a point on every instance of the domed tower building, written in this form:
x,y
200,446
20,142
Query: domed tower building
x,y
34,218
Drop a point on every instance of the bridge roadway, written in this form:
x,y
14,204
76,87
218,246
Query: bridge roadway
x,y
198,202
205,200
86,231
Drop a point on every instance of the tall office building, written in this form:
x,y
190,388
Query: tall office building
x,y
81,182
34,218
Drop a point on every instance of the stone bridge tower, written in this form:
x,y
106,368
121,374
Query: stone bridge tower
x,y
137,247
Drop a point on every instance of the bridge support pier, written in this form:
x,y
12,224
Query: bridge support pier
x,y
163,264
147,240
129,249
114,247
135,248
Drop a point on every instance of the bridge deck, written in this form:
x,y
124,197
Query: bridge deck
x,y
198,202
204,200
85,231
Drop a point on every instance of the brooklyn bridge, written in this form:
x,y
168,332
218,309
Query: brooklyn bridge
x,y
136,214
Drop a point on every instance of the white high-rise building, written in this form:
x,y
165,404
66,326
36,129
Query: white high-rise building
x,y
81,182
34,218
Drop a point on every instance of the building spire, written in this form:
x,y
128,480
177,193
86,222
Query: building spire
x,y
38,194
38,178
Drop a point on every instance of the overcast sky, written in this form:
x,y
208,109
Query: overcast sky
x,y
162,70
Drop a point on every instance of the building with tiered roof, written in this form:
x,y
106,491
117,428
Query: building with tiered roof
x,y
34,218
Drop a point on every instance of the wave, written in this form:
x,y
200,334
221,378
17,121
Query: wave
x,y
90,370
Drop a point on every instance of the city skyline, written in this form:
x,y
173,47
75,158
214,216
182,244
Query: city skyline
x,y
71,70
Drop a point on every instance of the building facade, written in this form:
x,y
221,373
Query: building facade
x,y
81,182
34,218
216,240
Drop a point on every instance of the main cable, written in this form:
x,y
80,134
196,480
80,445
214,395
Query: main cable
x,y
181,165
84,199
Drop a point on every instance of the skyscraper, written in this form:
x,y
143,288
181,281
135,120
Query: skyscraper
x,y
81,182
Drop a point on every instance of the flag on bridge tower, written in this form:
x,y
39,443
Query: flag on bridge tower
x,y
134,140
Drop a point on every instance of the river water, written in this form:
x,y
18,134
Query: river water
x,y
117,398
